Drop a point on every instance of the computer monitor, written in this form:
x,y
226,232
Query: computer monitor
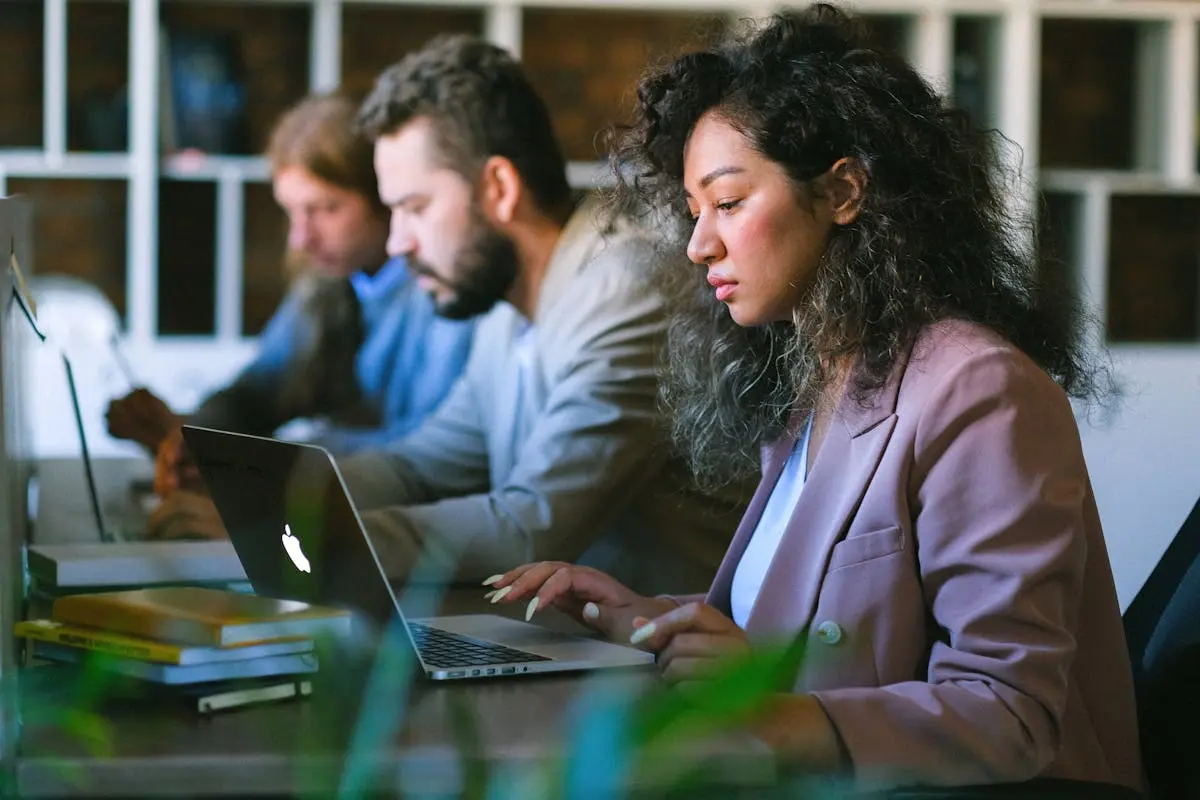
x,y
16,463
18,335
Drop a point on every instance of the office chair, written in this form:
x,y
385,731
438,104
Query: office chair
x,y
1162,628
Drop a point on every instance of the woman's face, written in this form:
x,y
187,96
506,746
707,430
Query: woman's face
x,y
760,243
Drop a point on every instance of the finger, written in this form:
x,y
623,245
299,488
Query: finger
x,y
557,587
532,581
168,508
530,575
178,503
506,578
168,526
687,669
184,525
698,617
704,645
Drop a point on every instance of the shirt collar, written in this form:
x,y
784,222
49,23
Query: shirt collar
x,y
386,279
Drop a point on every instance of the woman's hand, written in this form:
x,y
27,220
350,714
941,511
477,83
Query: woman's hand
x,y
585,594
690,640
141,417
185,515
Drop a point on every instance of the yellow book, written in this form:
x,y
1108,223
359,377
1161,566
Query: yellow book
x,y
119,644
199,616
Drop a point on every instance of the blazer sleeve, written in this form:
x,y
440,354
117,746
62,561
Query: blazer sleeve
x,y
594,444
997,495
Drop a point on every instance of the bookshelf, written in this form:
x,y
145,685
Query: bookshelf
x,y
1100,95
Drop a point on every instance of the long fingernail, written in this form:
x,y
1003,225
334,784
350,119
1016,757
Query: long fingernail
x,y
492,580
500,593
491,594
591,611
643,633
530,609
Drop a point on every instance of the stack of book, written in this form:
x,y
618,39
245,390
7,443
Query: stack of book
x,y
217,649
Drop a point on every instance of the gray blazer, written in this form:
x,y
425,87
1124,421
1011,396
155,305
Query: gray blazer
x,y
553,447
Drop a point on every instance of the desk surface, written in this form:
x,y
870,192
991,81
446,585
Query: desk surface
x,y
296,747
285,749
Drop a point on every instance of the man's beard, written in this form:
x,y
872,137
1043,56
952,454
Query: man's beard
x,y
486,267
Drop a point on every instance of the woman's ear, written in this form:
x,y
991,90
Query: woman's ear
x,y
501,190
847,185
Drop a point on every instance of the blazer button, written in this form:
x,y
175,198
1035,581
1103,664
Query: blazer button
x,y
829,632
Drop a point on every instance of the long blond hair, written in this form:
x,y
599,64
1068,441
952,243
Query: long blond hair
x,y
319,134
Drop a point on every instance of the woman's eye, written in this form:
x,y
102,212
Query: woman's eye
x,y
727,205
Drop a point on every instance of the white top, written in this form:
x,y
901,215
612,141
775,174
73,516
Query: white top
x,y
760,550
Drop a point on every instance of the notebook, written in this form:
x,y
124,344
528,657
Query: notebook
x,y
298,535
111,643
174,675
119,564
197,615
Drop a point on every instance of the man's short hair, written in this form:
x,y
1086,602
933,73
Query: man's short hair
x,y
481,104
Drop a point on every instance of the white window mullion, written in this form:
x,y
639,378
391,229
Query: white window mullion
x,y
932,46
142,237
1093,232
1017,107
230,214
325,46
54,66
1181,101
503,26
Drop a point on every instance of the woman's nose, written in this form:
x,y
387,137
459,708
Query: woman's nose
x,y
705,246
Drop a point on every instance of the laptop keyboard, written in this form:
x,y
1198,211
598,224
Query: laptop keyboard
x,y
441,648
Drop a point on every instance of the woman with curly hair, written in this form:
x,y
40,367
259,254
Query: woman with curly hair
x,y
869,319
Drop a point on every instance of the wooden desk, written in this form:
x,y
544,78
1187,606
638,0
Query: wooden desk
x,y
297,748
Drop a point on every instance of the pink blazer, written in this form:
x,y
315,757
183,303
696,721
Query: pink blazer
x,y
946,561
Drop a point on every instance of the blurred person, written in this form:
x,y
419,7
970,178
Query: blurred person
x,y
867,321
355,344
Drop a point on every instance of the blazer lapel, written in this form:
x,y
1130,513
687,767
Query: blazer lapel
x,y
844,467
777,456
831,495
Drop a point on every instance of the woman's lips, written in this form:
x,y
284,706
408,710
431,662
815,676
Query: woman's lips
x,y
724,288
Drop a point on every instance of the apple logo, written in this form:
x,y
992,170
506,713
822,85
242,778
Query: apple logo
x,y
292,546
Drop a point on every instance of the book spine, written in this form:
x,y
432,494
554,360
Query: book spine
x,y
144,622
99,643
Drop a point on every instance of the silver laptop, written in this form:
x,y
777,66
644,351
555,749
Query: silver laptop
x,y
299,536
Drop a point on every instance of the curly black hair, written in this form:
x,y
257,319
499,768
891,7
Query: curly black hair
x,y
481,104
935,236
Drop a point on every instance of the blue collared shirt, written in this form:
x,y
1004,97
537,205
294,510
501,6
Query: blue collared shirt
x,y
407,362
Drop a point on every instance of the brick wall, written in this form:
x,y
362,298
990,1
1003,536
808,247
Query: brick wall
x,y
263,278
21,77
97,74
186,256
79,229
1154,269
586,64
273,43
1087,94
375,37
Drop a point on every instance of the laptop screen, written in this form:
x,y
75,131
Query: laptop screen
x,y
288,516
